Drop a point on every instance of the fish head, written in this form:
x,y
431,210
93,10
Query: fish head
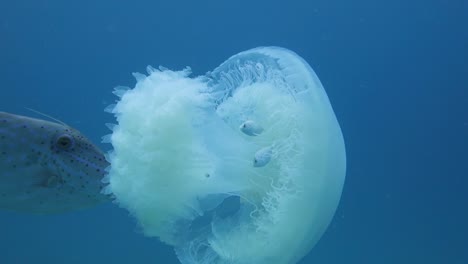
x,y
76,161
48,167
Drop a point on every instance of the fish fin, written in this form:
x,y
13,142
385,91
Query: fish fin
x,y
48,116
52,181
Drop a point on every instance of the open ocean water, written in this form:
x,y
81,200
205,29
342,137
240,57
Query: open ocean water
x,y
396,73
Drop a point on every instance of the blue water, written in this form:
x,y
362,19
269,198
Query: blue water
x,y
396,73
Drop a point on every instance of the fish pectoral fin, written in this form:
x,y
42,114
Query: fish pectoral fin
x,y
51,181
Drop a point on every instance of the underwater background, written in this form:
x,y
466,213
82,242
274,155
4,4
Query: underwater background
x,y
396,73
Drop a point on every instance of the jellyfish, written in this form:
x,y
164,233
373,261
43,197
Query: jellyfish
x,y
191,177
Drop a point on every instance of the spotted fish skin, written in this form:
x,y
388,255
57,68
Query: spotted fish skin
x,y
47,167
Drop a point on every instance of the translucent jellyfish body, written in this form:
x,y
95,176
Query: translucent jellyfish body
x,y
185,167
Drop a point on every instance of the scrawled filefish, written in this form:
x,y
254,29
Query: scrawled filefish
x,y
48,167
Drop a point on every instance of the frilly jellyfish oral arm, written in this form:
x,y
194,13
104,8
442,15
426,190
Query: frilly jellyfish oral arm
x,y
272,189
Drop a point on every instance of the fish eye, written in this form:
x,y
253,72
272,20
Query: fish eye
x,y
64,142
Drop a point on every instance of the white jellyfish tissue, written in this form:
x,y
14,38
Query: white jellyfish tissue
x,y
244,165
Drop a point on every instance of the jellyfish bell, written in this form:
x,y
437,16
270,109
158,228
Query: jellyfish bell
x,y
184,169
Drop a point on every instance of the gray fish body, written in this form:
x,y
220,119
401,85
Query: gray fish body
x,y
47,167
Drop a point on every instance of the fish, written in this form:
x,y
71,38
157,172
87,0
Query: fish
x,y
262,157
48,167
251,128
